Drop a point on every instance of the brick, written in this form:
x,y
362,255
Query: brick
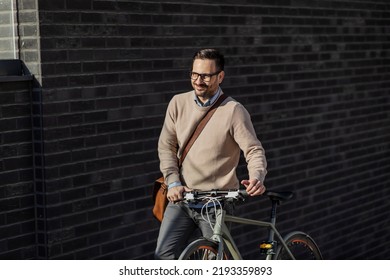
x,y
87,229
85,5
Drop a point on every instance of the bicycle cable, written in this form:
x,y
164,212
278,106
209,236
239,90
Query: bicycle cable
x,y
215,203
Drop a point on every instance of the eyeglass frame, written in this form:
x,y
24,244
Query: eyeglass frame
x,y
203,76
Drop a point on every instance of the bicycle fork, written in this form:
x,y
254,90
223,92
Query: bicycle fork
x,y
222,236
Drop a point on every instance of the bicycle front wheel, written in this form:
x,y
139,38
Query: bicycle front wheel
x,y
201,249
301,245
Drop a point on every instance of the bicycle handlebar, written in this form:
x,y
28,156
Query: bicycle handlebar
x,y
235,195
220,194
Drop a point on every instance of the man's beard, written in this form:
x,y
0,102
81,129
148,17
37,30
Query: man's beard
x,y
202,91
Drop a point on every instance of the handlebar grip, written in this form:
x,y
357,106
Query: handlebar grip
x,y
243,193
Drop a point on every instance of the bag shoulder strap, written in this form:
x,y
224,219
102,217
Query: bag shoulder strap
x,y
200,127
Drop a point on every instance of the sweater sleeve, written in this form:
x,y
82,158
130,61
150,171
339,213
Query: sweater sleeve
x,y
245,136
168,145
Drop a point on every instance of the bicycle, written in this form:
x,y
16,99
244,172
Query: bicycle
x,y
295,245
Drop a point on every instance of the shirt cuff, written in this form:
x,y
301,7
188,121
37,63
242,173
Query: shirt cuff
x,y
174,184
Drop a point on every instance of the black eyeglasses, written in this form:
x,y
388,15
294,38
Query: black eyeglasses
x,y
205,77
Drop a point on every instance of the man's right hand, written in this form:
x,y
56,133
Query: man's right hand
x,y
176,193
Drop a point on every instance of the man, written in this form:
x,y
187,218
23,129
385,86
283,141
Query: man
x,y
212,160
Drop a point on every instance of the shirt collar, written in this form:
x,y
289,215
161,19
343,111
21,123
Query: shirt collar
x,y
209,102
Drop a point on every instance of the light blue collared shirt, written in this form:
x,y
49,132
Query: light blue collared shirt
x,y
208,103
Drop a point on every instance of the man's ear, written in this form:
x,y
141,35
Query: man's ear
x,y
221,76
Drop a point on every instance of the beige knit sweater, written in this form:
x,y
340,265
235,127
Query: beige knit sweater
x,y
212,161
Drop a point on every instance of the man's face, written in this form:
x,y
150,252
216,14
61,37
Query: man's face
x,y
205,88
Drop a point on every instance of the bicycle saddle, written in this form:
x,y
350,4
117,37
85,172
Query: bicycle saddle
x,y
279,196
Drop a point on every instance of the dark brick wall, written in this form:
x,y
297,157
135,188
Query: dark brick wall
x,y
18,201
313,74
17,211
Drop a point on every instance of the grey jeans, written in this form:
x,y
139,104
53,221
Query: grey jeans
x,y
178,226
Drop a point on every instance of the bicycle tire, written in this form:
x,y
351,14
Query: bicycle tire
x,y
201,249
301,245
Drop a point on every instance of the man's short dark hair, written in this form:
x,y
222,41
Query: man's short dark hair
x,y
211,54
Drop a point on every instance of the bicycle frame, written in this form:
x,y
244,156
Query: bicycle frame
x,y
222,235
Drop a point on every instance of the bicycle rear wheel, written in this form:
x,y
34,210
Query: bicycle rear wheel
x,y
200,249
301,245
